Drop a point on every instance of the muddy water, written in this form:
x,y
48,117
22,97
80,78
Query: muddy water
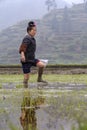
x,y
43,107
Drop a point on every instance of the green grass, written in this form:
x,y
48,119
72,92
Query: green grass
x,y
79,78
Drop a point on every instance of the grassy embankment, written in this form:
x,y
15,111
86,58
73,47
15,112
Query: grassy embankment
x,y
72,78
82,78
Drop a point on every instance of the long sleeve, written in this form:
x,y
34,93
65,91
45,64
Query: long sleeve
x,y
23,48
24,44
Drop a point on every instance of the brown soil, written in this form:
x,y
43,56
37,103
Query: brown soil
x,y
48,70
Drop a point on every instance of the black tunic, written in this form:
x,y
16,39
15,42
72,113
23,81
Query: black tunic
x,y
28,46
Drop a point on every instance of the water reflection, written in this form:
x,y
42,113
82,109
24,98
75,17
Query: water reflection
x,y
43,109
29,106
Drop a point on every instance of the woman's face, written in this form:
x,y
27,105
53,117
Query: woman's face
x,y
33,31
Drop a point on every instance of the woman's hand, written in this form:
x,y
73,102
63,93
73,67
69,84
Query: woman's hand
x,y
22,57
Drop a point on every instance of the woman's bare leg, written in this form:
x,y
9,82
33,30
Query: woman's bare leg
x,y
26,78
40,66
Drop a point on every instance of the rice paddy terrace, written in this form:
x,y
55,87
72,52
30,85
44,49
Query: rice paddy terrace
x,y
51,106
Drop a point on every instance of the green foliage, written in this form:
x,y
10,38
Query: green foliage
x,y
0,86
69,106
81,126
12,127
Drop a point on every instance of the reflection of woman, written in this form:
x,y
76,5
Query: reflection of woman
x,y
28,109
27,51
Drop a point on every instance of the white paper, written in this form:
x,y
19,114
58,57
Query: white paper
x,y
45,61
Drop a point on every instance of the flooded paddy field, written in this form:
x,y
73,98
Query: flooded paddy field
x,y
52,106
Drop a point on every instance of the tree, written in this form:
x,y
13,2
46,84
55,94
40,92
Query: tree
x,y
67,27
85,2
54,24
51,4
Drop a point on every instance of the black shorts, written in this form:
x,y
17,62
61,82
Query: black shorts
x,y
26,66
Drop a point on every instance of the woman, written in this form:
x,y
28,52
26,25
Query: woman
x,y
27,52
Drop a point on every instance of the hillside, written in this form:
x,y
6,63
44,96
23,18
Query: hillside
x,y
61,37
13,9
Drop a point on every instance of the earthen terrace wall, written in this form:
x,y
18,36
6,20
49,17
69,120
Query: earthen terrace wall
x,y
50,69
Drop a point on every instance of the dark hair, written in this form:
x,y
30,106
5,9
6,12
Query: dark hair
x,y
31,24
